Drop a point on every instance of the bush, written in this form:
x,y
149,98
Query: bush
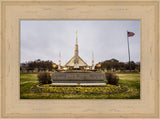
x,y
44,78
112,78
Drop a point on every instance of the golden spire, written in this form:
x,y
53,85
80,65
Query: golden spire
x,y
76,37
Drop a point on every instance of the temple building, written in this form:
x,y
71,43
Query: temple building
x,y
76,62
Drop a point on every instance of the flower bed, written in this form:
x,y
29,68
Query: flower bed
x,y
101,89
50,85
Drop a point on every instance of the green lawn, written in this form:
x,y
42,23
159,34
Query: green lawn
x,y
131,80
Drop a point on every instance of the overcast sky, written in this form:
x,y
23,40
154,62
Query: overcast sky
x,y
44,39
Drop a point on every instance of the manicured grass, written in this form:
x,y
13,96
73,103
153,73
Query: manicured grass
x,y
133,83
131,80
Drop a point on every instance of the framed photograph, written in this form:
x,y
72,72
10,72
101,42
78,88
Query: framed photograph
x,y
108,71
80,59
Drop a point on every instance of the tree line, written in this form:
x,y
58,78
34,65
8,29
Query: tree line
x,y
38,65
114,65
111,65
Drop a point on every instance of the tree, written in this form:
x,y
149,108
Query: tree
x,y
114,65
110,64
40,65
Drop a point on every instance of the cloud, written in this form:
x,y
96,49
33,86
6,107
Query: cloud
x,y
44,39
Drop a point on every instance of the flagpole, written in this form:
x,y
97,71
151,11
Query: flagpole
x,y
128,52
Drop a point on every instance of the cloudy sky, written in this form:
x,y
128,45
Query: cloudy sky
x,y
44,39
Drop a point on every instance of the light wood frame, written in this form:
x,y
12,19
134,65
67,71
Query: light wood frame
x,y
13,11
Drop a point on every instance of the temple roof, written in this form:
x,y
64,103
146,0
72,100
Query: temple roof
x,y
80,62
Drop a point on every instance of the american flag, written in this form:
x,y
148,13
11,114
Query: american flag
x,y
130,34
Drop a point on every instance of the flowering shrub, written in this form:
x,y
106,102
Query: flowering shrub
x,y
44,78
112,78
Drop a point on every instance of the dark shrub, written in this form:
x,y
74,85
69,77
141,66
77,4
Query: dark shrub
x,y
44,78
112,78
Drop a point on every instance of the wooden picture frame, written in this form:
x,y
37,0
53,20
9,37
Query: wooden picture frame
x,y
15,10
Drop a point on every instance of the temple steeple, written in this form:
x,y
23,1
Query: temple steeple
x,y
76,37
76,61
93,61
76,46
76,52
59,62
